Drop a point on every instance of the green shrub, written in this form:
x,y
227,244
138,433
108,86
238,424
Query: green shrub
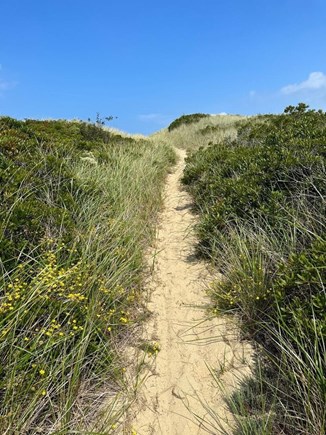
x,y
261,202
186,119
251,180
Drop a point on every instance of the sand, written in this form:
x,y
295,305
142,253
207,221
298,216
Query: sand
x,y
180,395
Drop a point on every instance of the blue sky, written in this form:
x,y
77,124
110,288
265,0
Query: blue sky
x,y
148,62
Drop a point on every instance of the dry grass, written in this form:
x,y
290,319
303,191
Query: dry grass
x,y
213,128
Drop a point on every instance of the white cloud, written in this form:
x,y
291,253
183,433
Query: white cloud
x,y
315,82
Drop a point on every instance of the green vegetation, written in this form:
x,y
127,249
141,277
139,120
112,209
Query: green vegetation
x,y
261,204
78,208
207,129
186,119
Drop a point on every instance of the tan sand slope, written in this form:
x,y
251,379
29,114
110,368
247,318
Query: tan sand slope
x,y
180,387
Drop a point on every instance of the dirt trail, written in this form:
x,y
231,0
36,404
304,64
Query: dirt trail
x,y
180,385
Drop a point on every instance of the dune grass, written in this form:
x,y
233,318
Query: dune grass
x,y
261,200
206,129
78,212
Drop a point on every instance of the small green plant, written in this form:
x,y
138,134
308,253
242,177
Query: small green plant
x,y
102,121
150,348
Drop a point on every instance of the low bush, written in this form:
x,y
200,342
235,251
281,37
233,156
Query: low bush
x,y
186,119
261,202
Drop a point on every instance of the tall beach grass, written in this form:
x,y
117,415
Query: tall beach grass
x,y
78,212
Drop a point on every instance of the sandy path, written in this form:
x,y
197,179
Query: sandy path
x,y
180,384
